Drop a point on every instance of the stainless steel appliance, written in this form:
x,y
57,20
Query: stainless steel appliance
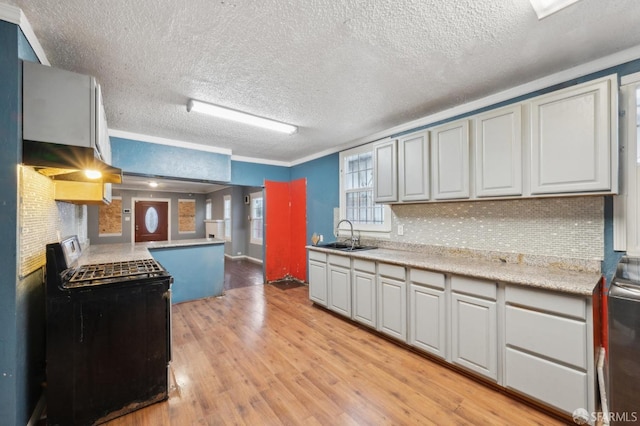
x,y
108,336
624,343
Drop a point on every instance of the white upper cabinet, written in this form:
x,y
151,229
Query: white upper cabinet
x,y
450,160
413,167
571,140
385,172
560,143
498,152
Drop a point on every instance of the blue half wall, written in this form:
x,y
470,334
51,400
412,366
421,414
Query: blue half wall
x,y
197,271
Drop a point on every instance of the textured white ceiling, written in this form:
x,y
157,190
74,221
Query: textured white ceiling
x,y
340,70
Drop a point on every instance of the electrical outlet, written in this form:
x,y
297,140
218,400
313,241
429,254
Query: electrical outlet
x,y
321,238
400,229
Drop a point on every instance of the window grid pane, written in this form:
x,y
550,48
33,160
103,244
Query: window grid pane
x,y
358,183
256,219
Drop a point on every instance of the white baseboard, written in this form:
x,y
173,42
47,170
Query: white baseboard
x,y
244,257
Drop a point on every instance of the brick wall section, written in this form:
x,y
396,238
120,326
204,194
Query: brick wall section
x,y
186,216
110,217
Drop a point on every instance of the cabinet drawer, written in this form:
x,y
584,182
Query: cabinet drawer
x,y
339,260
563,304
316,255
364,265
555,337
474,286
554,384
391,271
428,278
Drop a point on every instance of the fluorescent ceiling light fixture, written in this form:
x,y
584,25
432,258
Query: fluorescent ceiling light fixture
x,y
153,184
239,116
545,8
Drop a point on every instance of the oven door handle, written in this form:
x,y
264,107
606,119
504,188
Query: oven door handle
x,y
167,297
632,291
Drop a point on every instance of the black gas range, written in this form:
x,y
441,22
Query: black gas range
x,y
65,274
108,336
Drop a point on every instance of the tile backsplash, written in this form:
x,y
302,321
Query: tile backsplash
x,y
42,219
570,227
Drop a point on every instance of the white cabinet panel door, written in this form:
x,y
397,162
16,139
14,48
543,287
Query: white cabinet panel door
x,y
385,172
450,160
413,167
570,140
555,384
551,336
340,290
364,298
474,332
318,282
392,303
498,148
427,325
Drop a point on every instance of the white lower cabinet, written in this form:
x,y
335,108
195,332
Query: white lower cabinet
x,y
365,297
549,348
339,284
392,301
318,277
474,325
535,342
427,312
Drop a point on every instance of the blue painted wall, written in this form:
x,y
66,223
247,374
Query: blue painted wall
x,y
323,193
169,161
21,300
198,271
254,174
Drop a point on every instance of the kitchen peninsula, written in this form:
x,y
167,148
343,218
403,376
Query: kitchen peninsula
x,y
196,265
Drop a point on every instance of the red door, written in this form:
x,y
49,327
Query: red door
x,y
285,230
151,221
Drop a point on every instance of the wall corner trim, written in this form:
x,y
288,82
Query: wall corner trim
x,y
15,15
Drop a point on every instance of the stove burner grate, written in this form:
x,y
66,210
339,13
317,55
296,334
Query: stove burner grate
x,y
125,270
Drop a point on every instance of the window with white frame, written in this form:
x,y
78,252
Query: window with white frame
x,y
227,217
257,217
208,208
356,193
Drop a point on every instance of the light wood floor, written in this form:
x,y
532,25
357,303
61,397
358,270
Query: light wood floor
x,y
260,355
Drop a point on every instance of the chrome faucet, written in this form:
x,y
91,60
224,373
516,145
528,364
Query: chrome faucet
x,y
354,240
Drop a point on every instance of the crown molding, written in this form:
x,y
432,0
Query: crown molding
x,y
260,161
600,64
15,15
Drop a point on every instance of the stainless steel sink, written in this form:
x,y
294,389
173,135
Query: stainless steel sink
x,y
345,246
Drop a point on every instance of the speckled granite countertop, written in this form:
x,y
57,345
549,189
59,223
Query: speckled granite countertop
x,y
550,278
104,253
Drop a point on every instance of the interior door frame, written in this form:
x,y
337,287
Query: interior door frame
x,y
133,215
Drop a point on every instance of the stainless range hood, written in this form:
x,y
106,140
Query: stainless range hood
x,y
68,162
64,127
